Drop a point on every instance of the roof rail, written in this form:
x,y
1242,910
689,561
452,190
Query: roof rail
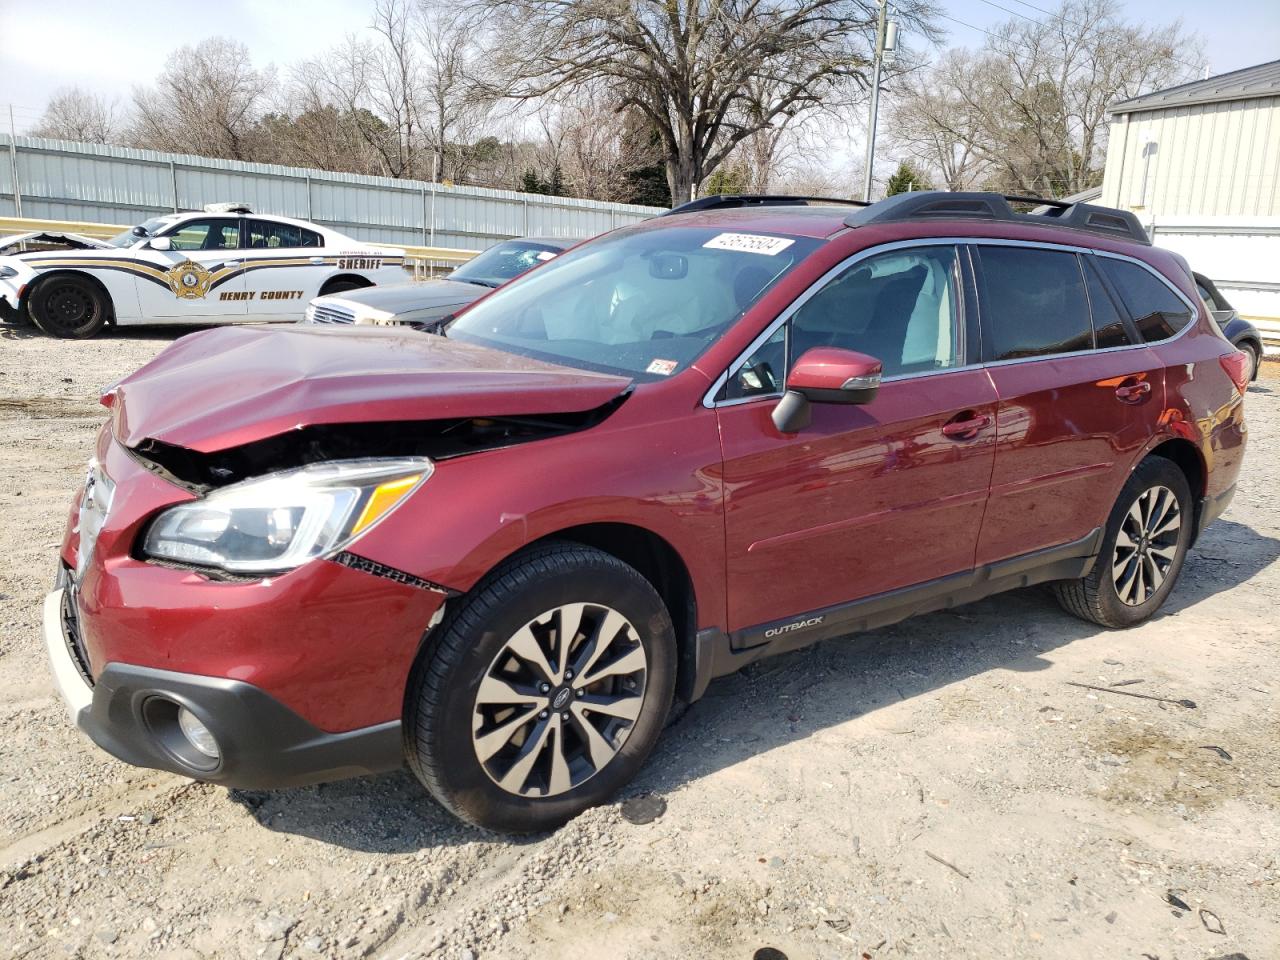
x,y
725,201
941,205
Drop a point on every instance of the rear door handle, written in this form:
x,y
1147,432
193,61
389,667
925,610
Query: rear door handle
x,y
317,260
967,428
1133,392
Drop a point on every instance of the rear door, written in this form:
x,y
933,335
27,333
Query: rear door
x,y
284,268
1079,396
868,498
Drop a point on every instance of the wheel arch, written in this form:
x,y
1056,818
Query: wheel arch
x,y
49,275
357,279
655,559
1187,457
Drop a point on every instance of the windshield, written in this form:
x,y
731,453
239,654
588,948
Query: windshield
x,y
645,303
131,236
503,262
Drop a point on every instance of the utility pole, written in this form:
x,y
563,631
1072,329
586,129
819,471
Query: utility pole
x,y
13,165
886,40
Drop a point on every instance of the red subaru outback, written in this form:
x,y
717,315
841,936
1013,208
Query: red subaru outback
x,y
503,553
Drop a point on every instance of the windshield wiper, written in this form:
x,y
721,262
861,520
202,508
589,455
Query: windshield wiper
x,y
479,283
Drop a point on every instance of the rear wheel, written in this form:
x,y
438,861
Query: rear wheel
x,y
69,307
1143,549
545,692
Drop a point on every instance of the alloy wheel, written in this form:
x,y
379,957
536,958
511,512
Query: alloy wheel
x,y
1146,545
559,700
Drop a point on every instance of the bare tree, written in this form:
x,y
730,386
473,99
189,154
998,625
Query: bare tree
x,y
207,100
453,108
933,122
706,73
1029,111
76,114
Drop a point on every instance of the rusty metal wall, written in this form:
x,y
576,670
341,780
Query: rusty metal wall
x,y
62,180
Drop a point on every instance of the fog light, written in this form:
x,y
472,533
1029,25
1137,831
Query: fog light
x,y
197,734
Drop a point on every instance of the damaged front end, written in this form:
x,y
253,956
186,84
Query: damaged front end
x,y
436,440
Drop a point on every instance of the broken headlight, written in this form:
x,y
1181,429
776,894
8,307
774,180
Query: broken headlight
x,y
282,520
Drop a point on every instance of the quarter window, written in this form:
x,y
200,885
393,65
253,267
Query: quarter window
x,y
1033,303
1156,310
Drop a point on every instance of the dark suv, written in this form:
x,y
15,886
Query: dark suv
x,y
502,554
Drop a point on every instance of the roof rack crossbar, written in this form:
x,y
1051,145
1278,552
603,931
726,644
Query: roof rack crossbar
x,y
725,201
942,205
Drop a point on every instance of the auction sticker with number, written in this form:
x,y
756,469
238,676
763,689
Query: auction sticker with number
x,y
664,367
749,243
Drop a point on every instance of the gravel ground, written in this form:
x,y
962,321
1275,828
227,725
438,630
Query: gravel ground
x,y
933,789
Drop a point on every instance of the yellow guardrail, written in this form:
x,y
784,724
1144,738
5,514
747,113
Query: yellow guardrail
x,y
422,261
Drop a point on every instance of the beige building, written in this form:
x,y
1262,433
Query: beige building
x,y
1208,148
1200,166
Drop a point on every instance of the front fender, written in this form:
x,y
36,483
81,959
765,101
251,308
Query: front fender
x,y
476,511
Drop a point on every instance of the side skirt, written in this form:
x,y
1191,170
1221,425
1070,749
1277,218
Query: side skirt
x,y
717,654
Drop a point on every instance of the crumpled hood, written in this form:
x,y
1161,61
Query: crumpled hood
x,y
232,385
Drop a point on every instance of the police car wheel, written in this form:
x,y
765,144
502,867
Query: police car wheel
x,y
68,307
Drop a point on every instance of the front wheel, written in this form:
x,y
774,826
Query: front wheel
x,y
545,691
69,307
1143,549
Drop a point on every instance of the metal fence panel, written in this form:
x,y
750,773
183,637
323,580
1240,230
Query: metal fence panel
x,y
63,180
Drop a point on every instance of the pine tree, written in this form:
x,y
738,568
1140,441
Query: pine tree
x,y
904,179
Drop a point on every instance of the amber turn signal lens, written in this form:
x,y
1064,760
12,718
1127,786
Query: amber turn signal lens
x,y
384,497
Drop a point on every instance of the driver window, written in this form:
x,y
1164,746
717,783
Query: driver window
x,y
899,307
206,235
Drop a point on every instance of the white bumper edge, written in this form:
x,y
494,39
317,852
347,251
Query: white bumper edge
x,y
75,690
9,293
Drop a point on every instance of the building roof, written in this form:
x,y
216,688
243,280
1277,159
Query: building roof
x,y
1247,84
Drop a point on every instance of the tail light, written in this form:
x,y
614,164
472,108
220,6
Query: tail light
x,y
1237,366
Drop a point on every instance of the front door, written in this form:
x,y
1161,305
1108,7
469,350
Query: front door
x,y
866,499
200,278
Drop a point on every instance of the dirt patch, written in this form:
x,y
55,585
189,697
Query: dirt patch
x,y
1180,775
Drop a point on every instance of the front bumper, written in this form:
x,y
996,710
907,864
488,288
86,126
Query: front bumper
x,y
131,712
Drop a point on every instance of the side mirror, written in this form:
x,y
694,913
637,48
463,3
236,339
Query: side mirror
x,y
826,375
161,243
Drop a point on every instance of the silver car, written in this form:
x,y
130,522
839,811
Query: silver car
x,y
423,306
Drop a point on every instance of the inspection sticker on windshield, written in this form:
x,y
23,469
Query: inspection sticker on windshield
x,y
664,367
749,243
545,255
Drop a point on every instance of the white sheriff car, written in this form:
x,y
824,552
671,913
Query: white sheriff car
x,y
224,265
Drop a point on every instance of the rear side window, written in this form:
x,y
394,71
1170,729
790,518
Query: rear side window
x,y
1108,325
1033,303
269,235
1156,310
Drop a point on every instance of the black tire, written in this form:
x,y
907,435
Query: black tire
x,y
1251,352
342,286
1097,597
441,699
69,307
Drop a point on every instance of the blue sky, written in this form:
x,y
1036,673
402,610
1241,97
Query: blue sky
x,y
110,46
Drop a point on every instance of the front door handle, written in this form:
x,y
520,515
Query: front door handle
x,y
1133,391
965,426
317,260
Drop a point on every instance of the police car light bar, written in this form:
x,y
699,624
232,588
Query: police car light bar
x,y
227,208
